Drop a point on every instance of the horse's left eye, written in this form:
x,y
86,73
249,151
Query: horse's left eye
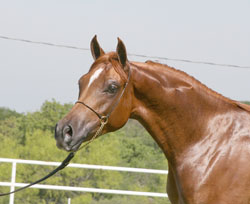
x,y
112,88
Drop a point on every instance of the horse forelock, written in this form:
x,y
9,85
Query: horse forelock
x,y
111,58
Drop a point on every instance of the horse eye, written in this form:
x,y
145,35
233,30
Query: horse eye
x,y
112,88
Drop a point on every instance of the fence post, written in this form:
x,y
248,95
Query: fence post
x,y
69,200
13,181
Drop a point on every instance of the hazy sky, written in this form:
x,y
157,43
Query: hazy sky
x,y
215,31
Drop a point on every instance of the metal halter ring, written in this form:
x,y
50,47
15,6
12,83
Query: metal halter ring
x,y
104,120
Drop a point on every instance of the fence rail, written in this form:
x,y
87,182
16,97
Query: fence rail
x,y
13,184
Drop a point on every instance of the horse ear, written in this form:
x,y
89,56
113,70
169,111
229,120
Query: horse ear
x,y
121,52
96,50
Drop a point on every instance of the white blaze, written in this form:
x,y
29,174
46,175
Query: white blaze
x,y
95,76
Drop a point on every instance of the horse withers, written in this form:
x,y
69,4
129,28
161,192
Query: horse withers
x,y
204,136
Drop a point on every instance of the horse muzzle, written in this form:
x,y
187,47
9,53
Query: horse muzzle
x,y
68,138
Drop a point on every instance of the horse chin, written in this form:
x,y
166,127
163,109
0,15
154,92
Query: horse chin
x,y
73,145
73,148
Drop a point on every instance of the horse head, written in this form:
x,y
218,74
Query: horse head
x,y
104,94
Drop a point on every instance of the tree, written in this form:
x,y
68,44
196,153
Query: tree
x,y
6,113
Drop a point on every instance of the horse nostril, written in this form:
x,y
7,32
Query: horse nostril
x,y
67,133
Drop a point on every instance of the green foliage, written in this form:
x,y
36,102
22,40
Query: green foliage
x,y
6,113
134,200
31,136
246,102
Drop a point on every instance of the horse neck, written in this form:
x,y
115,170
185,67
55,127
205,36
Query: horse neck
x,y
172,106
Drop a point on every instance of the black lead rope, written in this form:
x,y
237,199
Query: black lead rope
x,y
62,166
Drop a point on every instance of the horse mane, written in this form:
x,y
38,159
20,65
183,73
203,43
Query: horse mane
x,y
199,84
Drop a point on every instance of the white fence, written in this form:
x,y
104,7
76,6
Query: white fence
x,y
12,184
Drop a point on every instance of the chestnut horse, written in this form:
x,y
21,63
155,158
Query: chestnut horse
x,y
205,136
